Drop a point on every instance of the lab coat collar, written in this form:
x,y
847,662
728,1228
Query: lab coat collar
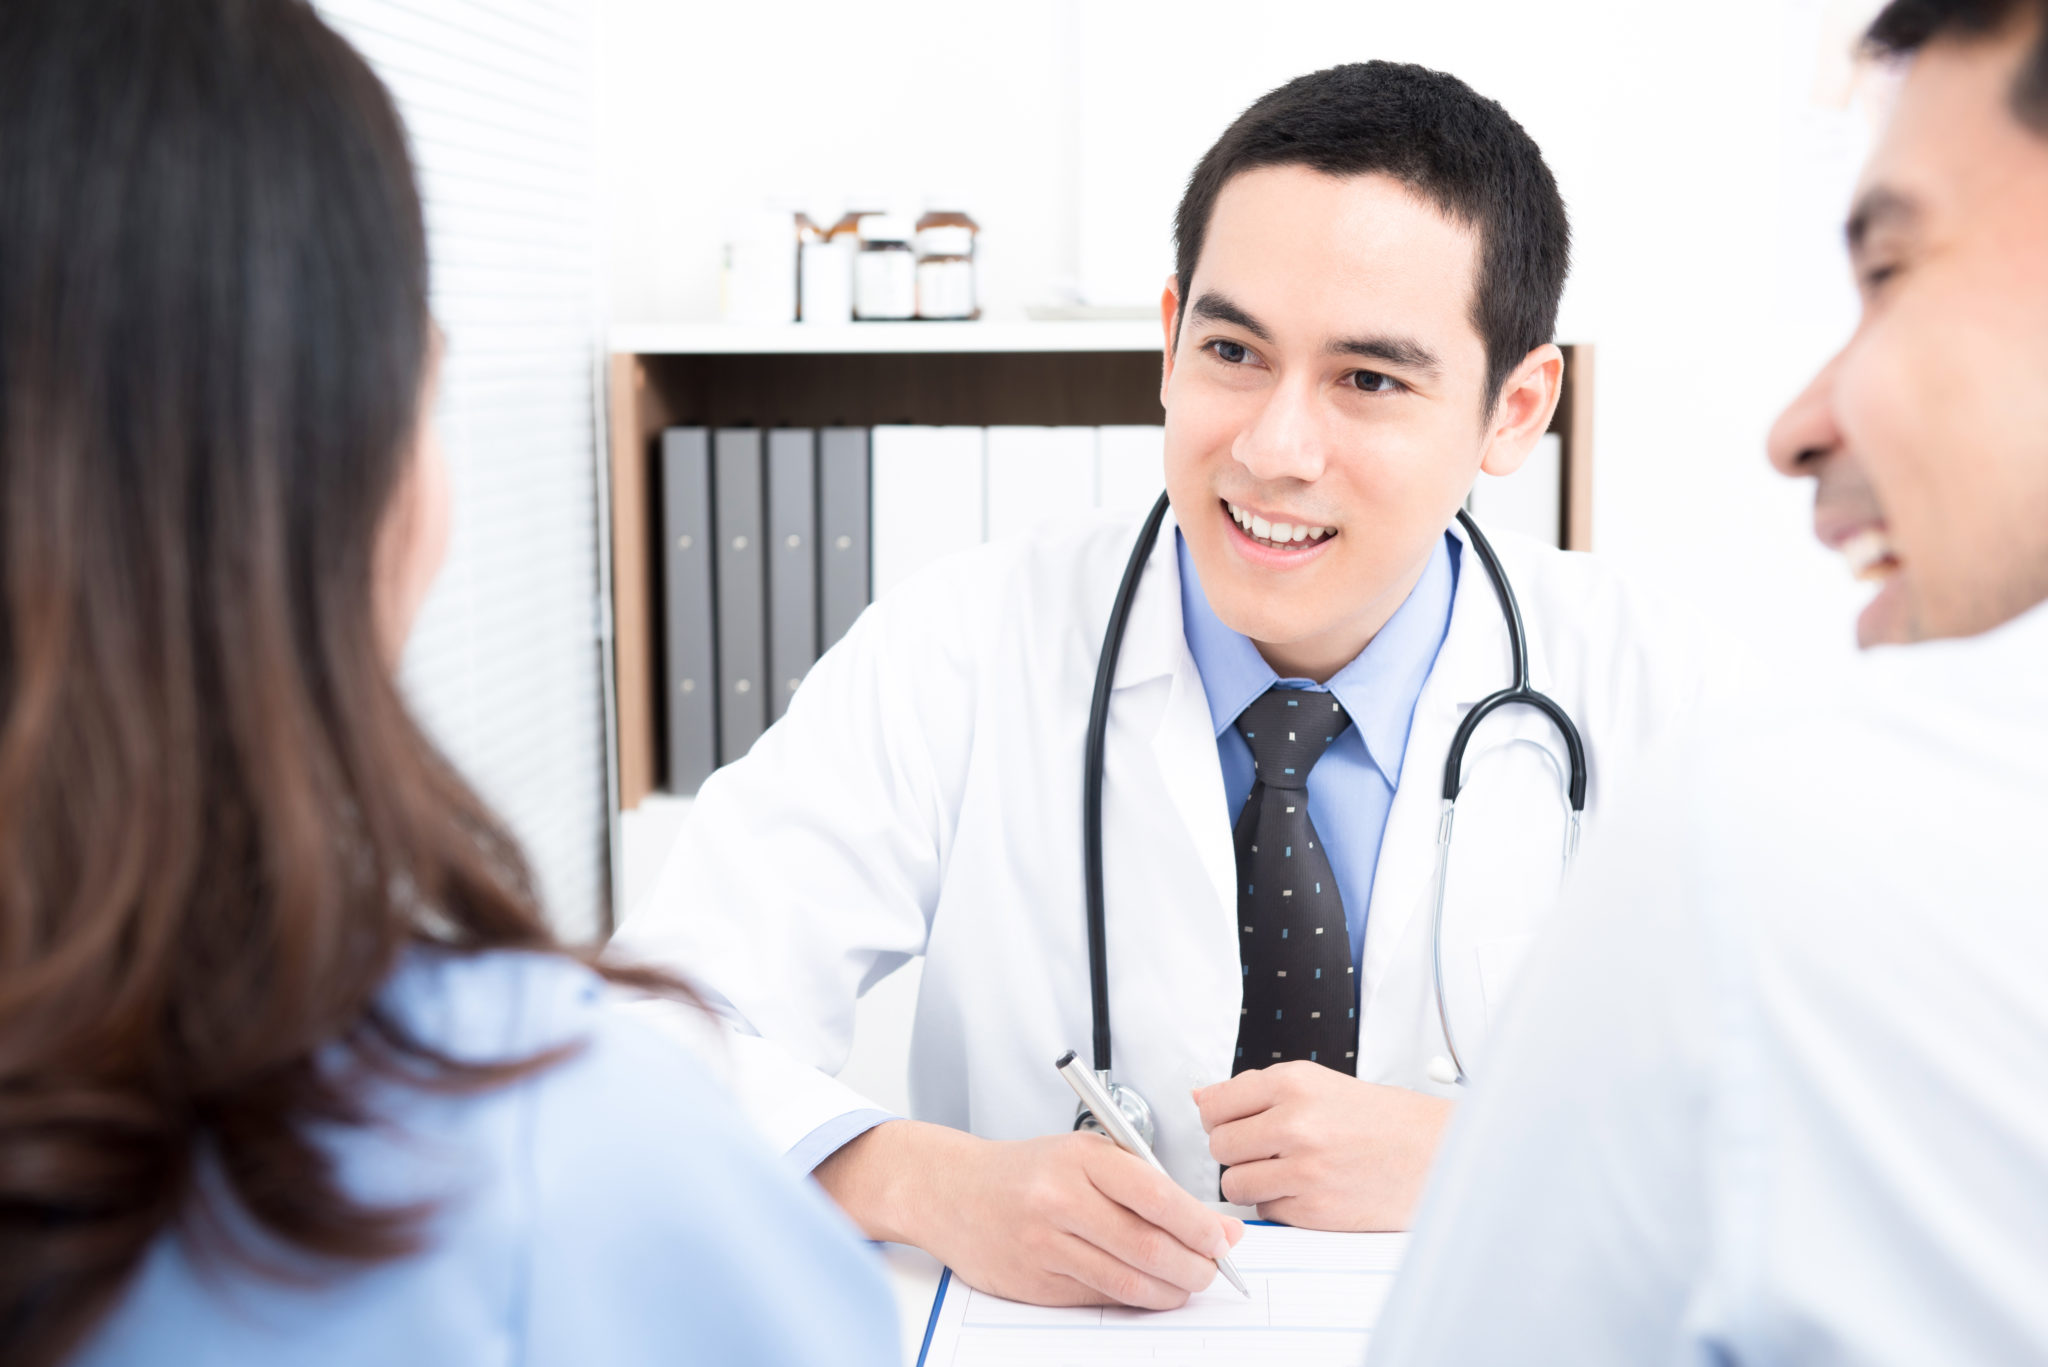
x,y
1477,658
1155,648
1154,645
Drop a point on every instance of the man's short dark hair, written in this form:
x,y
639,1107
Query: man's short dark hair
x,y
1443,141
1905,26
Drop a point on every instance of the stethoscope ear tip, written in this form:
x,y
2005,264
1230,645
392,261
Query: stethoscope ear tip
x,y
1444,1072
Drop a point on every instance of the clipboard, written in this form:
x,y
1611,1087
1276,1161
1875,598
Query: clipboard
x,y
1317,1295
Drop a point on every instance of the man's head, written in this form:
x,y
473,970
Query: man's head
x,y
1927,435
1368,271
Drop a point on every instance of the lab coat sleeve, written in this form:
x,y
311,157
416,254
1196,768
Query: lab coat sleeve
x,y
808,870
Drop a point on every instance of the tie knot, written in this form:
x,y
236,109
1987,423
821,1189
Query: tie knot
x,y
1288,729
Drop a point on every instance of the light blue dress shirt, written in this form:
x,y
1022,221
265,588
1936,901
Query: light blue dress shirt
x,y
613,1208
1351,789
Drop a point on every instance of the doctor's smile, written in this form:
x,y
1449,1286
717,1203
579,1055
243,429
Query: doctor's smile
x,y
1291,541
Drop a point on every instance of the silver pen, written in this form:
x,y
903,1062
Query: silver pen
x,y
1096,1098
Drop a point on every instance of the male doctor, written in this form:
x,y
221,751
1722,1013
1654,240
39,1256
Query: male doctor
x,y
1368,270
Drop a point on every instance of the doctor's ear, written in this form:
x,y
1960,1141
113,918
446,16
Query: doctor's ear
x,y
1169,314
1521,415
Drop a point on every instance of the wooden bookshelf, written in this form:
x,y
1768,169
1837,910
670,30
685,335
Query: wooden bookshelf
x,y
1069,374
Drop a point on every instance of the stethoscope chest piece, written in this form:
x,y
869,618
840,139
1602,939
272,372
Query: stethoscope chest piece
x,y
1128,1100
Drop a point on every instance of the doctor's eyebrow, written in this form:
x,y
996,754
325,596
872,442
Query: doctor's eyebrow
x,y
1404,352
1212,307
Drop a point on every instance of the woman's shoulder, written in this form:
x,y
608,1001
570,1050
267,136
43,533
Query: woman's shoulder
x,y
606,1071
606,1206
493,1004
654,1210
622,1115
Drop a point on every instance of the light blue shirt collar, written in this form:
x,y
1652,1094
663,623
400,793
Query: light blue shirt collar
x,y
1378,688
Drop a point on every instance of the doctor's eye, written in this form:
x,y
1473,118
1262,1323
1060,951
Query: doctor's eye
x,y
1873,278
1372,382
1229,352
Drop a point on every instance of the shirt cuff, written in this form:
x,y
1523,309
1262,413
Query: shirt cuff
x,y
832,1136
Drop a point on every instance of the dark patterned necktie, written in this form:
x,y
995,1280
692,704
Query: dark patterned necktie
x,y
1299,998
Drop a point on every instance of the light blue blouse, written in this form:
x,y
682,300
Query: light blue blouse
x,y
612,1209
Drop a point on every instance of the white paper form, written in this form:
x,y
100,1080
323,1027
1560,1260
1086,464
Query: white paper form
x,y
1315,1296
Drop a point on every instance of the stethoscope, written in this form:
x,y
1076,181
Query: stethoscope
x,y
1447,1069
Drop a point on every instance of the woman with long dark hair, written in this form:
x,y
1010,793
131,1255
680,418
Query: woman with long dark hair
x,y
291,1069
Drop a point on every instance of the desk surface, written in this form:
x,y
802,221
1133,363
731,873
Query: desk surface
x,y
913,1280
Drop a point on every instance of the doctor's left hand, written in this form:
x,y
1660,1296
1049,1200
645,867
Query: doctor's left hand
x,y
1316,1148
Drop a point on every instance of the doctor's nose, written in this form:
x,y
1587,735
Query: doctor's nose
x,y
1806,433
1287,440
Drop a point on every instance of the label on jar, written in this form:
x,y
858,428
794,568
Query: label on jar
x,y
946,239
885,284
945,288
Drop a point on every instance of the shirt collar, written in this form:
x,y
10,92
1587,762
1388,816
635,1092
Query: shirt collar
x,y
1378,688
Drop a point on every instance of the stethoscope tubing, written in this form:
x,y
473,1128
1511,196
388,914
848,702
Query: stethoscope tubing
x,y
1520,693
1092,766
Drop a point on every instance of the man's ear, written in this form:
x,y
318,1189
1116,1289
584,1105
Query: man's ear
x,y
1169,310
1522,414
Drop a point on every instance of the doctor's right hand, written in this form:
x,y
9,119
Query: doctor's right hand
x,y
1068,1219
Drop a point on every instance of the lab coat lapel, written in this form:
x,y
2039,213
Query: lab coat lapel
x,y
1475,660
1170,873
1184,745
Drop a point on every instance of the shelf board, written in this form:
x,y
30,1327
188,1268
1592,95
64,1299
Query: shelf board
x,y
844,339
1079,374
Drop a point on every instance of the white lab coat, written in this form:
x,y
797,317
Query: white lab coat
x,y
923,796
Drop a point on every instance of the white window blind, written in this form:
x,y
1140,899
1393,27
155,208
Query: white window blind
x,y
505,667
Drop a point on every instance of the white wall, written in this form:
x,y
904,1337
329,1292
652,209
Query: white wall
x,y
1706,188
503,667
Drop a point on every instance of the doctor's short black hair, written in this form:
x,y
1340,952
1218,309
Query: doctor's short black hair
x,y
1442,140
1905,26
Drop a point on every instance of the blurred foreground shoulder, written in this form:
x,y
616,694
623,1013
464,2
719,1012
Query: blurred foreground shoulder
x,y
610,1207
663,1229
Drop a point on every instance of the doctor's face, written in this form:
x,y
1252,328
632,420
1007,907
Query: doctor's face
x,y
1927,436
1325,406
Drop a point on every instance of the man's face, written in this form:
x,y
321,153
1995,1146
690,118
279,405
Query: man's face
x,y
1324,406
1927,436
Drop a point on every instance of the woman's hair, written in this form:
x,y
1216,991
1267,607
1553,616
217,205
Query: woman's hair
x,y
219,828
